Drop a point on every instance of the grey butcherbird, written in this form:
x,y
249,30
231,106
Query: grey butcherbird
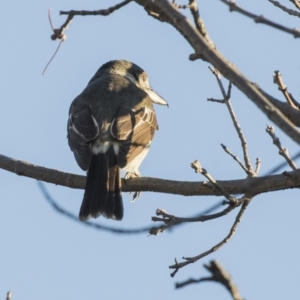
x,y
111,125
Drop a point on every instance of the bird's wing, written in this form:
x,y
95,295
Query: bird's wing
x,y
82,129
134,130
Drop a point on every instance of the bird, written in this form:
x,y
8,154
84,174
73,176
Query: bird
x,y
111,125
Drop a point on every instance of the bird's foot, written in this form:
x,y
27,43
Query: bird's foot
x,y
129,175
136,195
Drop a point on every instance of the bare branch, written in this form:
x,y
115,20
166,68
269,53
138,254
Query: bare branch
x,y
174,220
160,229
179,285
282,151
49,62
100,12
59,32
282,165
285,9
218,77
242,138
277,79
261,19
198,169
216,100
257,166
150,229
292,114
247,168
190,260
167,12
257,185
220,275
234,157
98,226
199,22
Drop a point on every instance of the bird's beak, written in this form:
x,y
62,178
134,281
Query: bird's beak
x,y
157,99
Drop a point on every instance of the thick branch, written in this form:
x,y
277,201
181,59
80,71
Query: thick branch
x,y
257,185
292,114
203,48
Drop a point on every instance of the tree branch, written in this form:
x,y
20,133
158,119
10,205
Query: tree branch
x,y
190,260
100,12
257,185
261,19
166,12
218,274
282,151
285,9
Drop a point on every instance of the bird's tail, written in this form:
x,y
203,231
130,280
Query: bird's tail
x,y
102,194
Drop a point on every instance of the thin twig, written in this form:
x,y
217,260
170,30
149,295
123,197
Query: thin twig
x,y
216,100
199,22
218,77
52,57
285,9
277,79
73,217
179,285
101,12
261,19
57,34
150,229
198,169
174,220
248,168
282,151
234,157
240,134
257,166
190,260
218,274
160,229
282,165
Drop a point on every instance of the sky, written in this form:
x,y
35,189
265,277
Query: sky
x,y
45,255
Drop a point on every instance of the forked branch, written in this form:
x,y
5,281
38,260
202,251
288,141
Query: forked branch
x,y
190,260
219,275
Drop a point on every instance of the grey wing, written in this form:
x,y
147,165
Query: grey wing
x,y
135,131
82,129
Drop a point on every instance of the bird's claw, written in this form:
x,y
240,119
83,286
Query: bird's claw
x,y
136,195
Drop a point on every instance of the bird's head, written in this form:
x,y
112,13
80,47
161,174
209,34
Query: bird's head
x,y
134,73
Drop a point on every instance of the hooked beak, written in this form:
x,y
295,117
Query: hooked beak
x,y
157,99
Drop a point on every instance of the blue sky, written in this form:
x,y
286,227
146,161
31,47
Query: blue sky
x,y
44,255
